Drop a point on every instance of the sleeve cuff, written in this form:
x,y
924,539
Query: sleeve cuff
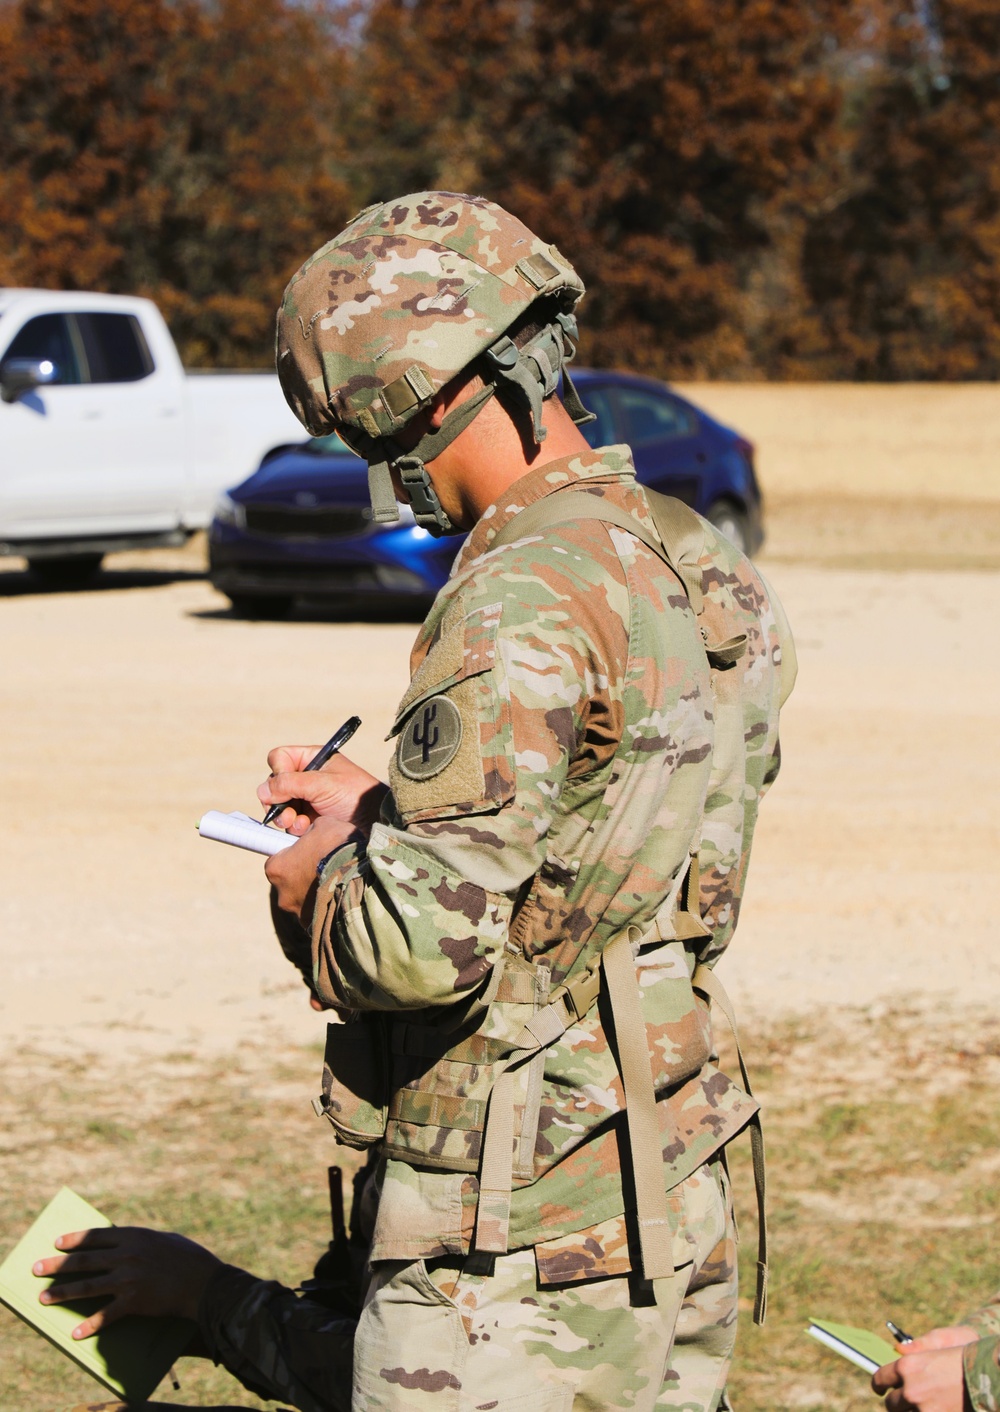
x,y
982,1375
333,869
985,1321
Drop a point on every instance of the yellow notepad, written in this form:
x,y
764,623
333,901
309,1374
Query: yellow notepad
x,y
132,1356
858,1346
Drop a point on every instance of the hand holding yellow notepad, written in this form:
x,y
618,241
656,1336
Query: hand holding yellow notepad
x,y
858,1346
132,1356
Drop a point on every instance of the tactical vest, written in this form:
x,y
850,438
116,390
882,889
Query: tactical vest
x,y
461,1092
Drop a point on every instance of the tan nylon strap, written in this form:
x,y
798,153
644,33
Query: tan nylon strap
x,y
705,980
565,506
569,1003
669,1295
681,536
579,995
496,1169
496,1172
645,1140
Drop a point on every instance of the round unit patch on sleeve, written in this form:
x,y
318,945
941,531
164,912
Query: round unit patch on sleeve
x,y
430,739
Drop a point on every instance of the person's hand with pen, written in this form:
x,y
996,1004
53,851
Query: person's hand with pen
x,y
929,1374
326,808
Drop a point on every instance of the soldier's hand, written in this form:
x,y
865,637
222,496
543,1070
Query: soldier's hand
x,y
924,1381
954,1336
292,872
340,789
138,1271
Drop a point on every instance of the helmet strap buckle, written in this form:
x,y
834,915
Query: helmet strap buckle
x,y
423,498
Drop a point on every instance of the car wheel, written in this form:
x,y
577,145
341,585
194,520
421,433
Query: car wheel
x,y
66,570
731,521
261,605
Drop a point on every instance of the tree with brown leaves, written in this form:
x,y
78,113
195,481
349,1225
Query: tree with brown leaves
x,y
904,272
174,150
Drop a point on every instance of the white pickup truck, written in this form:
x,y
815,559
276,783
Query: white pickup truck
x,y
105,442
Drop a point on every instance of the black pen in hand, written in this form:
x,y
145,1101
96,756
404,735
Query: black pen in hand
x,y
898,1333
336,742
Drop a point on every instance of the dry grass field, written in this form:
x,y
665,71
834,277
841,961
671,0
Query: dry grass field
x,y
159,1056
882,1173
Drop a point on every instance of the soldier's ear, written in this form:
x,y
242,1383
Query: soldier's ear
x,y
437,411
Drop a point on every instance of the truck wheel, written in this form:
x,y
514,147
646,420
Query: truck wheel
x,y
66,570
261,605
731,521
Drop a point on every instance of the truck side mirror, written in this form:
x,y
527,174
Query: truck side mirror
x,y
19,375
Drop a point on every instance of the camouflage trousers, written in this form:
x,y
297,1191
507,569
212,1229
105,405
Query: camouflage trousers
x,y
434,1335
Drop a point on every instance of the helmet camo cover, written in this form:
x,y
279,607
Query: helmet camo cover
x,y
380,318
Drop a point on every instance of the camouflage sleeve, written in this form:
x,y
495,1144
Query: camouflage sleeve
x,y
788,668
276,1343
510,704
982,1375
293,938
986,1321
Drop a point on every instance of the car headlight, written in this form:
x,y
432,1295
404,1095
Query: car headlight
x,y
407,520
230,512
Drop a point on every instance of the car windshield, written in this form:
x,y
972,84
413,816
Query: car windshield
x,y
328,446
602,431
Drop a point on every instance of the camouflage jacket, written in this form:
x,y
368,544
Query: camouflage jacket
x,y
982,1375
562,809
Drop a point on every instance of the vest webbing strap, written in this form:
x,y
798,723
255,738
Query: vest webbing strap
x,y
496,1171
496,1168
712,988
645,1139
678,527
644,1136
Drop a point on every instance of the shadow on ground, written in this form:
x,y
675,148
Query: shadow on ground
x,y
321,611
24,583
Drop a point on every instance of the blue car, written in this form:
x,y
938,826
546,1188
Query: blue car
x,y
300,527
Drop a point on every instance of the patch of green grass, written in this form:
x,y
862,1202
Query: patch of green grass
x,y
108,1130
840,1119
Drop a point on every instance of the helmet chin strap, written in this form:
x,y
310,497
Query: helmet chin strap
x,y
531,373
426,507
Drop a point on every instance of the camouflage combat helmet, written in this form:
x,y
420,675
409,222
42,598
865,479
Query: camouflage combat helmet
x,y
378,320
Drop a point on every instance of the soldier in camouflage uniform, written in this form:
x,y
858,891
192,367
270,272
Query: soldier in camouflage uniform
x,y
517,935
579,760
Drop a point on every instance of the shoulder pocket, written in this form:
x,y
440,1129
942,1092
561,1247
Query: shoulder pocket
x,y
454,752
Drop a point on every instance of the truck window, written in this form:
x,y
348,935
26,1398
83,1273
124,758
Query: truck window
x,y
115,346
47,336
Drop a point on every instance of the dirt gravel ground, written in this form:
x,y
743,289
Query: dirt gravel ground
x,y
135,955
131,708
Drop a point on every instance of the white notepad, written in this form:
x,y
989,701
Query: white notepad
x,y
243,832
